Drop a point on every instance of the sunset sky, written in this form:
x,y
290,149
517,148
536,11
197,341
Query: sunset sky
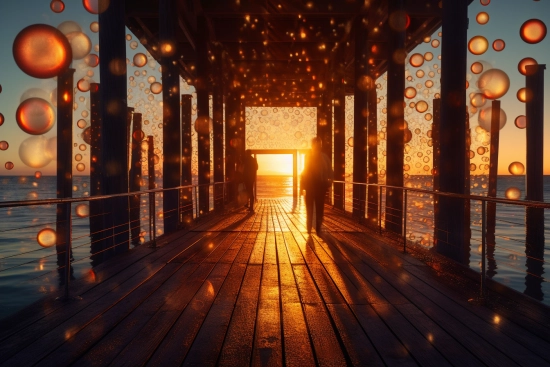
x,y
506,17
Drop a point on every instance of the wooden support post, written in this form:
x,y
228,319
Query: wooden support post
x,y
171,166
217,125
114,139
231,118
492,188
295,175
360,120
97,229
396,121
450,236
135,178
534,218
339,144
202,125
64,174
151,186
372,143
186,195
436,157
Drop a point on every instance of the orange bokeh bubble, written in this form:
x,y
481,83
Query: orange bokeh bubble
x,y
92,60
1,119
46,237
494,83
410,92
35,116
478,45
140,60
421,106
476,67
416,60
516,168
138,135
524,62
485,118
57,6
521,122
485,2
498,45
42,51
482,18
4,145
533,31
94,27
524,95
95,6
513,193
83,85
9,166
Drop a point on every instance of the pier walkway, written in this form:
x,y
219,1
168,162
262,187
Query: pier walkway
x,y
246,288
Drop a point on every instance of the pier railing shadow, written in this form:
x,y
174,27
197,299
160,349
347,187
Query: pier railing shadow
x,y
507,249
31,253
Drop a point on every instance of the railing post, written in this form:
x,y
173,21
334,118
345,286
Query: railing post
x,y
68,247
483,285
151,176
380,211
405,221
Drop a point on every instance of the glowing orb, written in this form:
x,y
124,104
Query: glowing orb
x,y
203,125
421,106
494,83
95,6
42,51
46,237
156,88
57,6
80,44
416,60
478,100
435,43
94,27
516,168
533,31
32,152
499,45
410,92
83,85
522,65
92,60
138,135
485,116
476,67
37,174
4,145
478,45
482,18
513,193
140,60
1,119
9,166
80,167
68,27
524,95
521,122
35,116
420,73
82,210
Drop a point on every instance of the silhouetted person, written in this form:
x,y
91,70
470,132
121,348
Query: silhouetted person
x,y
317,177
249,176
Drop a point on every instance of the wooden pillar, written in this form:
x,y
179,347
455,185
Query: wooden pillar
x,y
171,163
217,124
241,127
231,118
339,143
492,188
186,198
64,173
436,158
450,236
360,120
97,228
114,139
396,121
202,125
534,218
372,143
295,175
135,178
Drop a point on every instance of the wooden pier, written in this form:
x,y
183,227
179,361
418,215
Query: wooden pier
x,y
244,288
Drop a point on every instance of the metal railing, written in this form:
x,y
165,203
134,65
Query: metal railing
x,y
418,219
147,206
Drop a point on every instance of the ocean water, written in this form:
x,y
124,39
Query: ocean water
x,y
29,271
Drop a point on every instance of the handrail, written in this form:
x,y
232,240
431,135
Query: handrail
x,y
536,204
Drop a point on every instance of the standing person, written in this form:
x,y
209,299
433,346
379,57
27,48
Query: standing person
x,y
317,177
249,176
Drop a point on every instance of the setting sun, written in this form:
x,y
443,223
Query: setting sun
x,y
274,164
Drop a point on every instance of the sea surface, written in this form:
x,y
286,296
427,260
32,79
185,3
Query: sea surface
x,y
29,271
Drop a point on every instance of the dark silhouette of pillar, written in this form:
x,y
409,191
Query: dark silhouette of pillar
x,y
135,178
114,139
436,159
217,126
64,174
171,164
450,234
534,217
362,83
492,188
396,120
339,143
324,129
202,125
186,195
231,122
152,200
372,144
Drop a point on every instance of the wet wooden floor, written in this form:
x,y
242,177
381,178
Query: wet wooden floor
x,y
254,289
